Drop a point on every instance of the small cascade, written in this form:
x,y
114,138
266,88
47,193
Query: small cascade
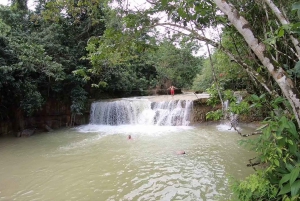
x,y
226,113
142,112
233,118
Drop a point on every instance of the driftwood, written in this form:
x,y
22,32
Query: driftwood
x,y
257,163
253,164
256,132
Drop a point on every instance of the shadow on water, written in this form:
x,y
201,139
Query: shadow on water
x,y
98,162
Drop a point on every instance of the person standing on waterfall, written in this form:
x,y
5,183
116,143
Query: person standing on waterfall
x,y
172,89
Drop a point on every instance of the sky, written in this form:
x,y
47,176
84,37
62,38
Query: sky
x,y
3,2
30,3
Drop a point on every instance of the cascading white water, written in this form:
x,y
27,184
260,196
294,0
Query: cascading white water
x,y
233,118
142,112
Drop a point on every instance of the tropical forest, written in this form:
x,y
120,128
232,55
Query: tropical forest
x,y
88,109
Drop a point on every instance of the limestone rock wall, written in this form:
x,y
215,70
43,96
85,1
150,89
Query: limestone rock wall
x,y
53,115
200,108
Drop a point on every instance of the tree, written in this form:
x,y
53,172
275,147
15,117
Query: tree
x,y
229,74
175,65
24,67
259,48
39,56
265,50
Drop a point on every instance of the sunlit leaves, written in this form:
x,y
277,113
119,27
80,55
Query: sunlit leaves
x,y
4,28
254,187
59,9
214,115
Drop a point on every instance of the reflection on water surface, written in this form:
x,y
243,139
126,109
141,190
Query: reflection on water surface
x,y
100,163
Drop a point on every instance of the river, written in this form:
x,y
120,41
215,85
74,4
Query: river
x,y
98,162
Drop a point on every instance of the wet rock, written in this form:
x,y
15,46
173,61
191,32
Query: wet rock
x,y
48,128
26,132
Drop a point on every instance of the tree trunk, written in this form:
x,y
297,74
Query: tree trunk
x,y
279,75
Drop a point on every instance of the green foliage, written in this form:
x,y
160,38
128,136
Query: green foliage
x,y
19,5
79,98
258,101
31,100
38,57
25,68
239,108
33,58
296,7
214,115
123,44
41,51
295,71
254,187
4,29
229,95
228,74
175,65
118,46
277,148
214,98
235,106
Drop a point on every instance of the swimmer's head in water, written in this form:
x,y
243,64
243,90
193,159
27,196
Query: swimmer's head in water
x,y
180,152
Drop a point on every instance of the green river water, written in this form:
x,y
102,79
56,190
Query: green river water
x,y
99,163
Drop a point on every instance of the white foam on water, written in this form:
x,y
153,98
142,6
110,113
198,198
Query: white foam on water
x,y
131,129
225,127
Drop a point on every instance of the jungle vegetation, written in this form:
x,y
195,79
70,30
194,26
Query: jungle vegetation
x,y
74,50
48,54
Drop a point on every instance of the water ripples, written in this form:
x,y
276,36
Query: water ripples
x,y
107,166
173,177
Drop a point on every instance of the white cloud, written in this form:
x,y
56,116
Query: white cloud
x,y
4,2
30,4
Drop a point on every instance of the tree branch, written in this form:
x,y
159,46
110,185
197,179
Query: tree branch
x,y
278,74
284,21
256,77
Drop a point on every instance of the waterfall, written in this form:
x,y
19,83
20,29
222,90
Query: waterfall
x,y
233,118
141,112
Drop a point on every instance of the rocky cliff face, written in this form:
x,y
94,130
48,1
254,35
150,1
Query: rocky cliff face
x,y
200,108
53,115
